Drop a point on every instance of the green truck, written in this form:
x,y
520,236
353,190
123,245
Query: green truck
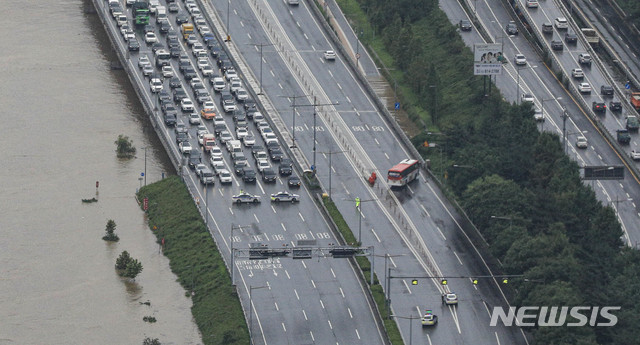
x,y
632,123
623,136
141,12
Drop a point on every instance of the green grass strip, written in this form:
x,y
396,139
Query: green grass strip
x,y
365,266
195,259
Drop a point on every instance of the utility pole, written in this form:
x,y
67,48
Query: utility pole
x,y
261,45
234,227
564,128
315,115
293,106
330,153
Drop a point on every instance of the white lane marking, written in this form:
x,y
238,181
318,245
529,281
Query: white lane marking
x,y
348,99
276,304
287,273
486,307
313,47
406,286
392,262
312,337
303,264
339,86
260,185
425,210
242,24
272,74
333,273
357,333
349,310
386,155
330,326
248,34
440,231
230,210
322,304
410,190
345,187
429,338
296,292
312,236
497,339
256,217
298,23
376,235
235,12
305,36
341,292
305,315
273,208
313,283
285,229
301,217
333,169
457,257
283,327
280,86
376,141
331,74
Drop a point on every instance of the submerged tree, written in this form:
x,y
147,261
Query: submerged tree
x,y
125,148
110,235
123,260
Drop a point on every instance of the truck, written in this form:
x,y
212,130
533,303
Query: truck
x,y
623,136
208,142
632,123
186,29
635,100
591,35
140,10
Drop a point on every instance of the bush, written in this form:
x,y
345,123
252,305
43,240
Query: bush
x,y
124,147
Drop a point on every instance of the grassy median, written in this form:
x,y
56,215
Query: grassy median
x,y
195,259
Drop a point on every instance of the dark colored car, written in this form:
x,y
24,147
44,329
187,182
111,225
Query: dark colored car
x,y
181,128
606,90
157,46
276,154
148,28
180,137
571,38
170,120
248,175
294,181
285,170
268,175
556,45
256,148
213,47
174,82
599,107
195,158
615,106
133,45
163,95
190,73
179,94
238,167
511,29
175,52
465,25
209,37
164,27
182,18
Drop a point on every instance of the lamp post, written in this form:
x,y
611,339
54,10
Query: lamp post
x,y
410,318
145,165
564,128
518,83
261,45
386,257
251,288
234,227
330,153
228,10
359,202
315,115
293,106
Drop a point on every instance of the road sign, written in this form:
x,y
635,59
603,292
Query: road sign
x,y
627,85
397,105
141,174
603,173
145,204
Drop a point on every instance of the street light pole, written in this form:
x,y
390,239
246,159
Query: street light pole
x,y
564,128
145,165
315,115
330,153
233,227
228,10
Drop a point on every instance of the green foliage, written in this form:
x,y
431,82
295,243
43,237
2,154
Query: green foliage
x,y
149,319
149,341
134,267
124,147
123,260
195,259
630,7
110,235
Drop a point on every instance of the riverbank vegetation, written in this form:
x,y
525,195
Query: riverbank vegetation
x,y
516,184
195,259
110,234
124,147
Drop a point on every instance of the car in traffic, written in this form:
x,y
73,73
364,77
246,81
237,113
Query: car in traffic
x,y
218,84
155,84
143,60
599,107
186,105
133,44
584,59
294,182
284,196
635,155
225,176
185,147
167,71
584,88
561,23
194,118
520,59
581,142
465,25
527,97
571,38
249,139
329,55
429,319
532,3
538,115
511,28
150,37
269,175
248,175
227,102
557,45
262,164
225,136
606,90
244,197
615,106
207,113
577,73
286,167
449,298
147,70
195,159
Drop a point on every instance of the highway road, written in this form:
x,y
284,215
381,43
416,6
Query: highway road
x,y
537,79
294,302
355,125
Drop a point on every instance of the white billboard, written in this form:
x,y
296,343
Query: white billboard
x,y
487,59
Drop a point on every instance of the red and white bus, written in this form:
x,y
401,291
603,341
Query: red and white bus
x,y
403,173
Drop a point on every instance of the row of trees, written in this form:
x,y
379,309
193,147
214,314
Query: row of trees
x,y
546,224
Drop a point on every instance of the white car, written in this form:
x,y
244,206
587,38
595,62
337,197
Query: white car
x,y
218,84
150,37
235,84
191,40
561,23
264,130
217,162
329,55
249,140
155,84
202,129
520,59
538,115
581,142
195,81
450,298
218,121
230,73
121,20
262,164
194,118
147,70
216,151
584,88
262,124
185,147
203,62
225,176
204,29
532,3
208,105
284,196
167,71
225,136
197,47
577,73
270,138
527,97
241,133
143,60
257,117
241,94
635,155
129,34
207,71
186,104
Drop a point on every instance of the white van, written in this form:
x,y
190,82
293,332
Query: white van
x,y
234,146
153,5
161,10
